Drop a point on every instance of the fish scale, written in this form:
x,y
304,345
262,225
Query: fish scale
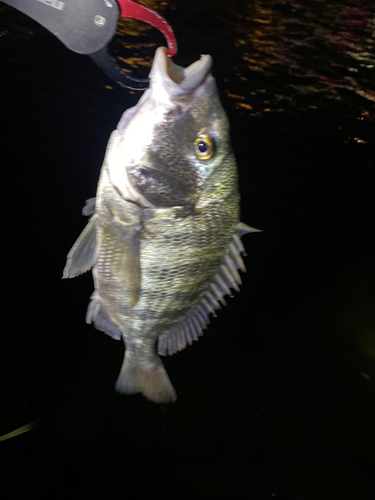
x,y
163,241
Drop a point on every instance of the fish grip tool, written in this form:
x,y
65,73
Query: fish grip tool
x,y
87,26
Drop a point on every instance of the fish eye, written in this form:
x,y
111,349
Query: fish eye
x,y
204,147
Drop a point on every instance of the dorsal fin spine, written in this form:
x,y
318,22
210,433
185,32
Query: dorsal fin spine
x,y
203,313
208,307
200,319
187,334
217,294
213,302
239,244
192,329
182,339
232,268
223,287
236,256
229,278
197,325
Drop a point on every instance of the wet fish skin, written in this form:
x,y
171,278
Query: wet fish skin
x,y
162,238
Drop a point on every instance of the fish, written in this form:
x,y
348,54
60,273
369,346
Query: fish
x,y
164,238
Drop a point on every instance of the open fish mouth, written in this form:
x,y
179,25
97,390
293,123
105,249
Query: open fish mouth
x,y
175,79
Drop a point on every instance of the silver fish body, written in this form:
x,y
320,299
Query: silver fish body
x,y
163,241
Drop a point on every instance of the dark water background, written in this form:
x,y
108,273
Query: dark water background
x,y
277,400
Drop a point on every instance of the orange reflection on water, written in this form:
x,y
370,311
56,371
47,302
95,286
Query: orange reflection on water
x,y
235,96
244,105
135,62
257,35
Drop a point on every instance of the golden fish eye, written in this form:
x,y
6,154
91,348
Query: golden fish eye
x,y
204,147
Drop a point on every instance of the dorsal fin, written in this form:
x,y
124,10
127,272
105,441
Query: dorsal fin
x,y
244,228
197,319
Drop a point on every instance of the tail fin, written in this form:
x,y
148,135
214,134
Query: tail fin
x,y
152,383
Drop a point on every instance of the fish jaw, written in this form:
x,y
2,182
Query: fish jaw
x,y
175,85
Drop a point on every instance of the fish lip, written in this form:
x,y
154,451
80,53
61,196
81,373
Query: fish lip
x,y
175,79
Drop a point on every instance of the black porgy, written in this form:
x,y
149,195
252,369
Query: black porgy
x,y
163,240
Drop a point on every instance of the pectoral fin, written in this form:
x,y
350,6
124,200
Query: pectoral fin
x,y
125,262
82,255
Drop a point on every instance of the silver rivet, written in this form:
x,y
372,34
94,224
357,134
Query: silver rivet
x,y
99,20
108,3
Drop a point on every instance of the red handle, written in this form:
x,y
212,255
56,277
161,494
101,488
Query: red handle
x,y
138,11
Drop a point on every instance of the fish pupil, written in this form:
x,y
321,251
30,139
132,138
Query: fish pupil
x,y
202,146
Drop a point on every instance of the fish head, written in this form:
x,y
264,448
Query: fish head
x,y
173,146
